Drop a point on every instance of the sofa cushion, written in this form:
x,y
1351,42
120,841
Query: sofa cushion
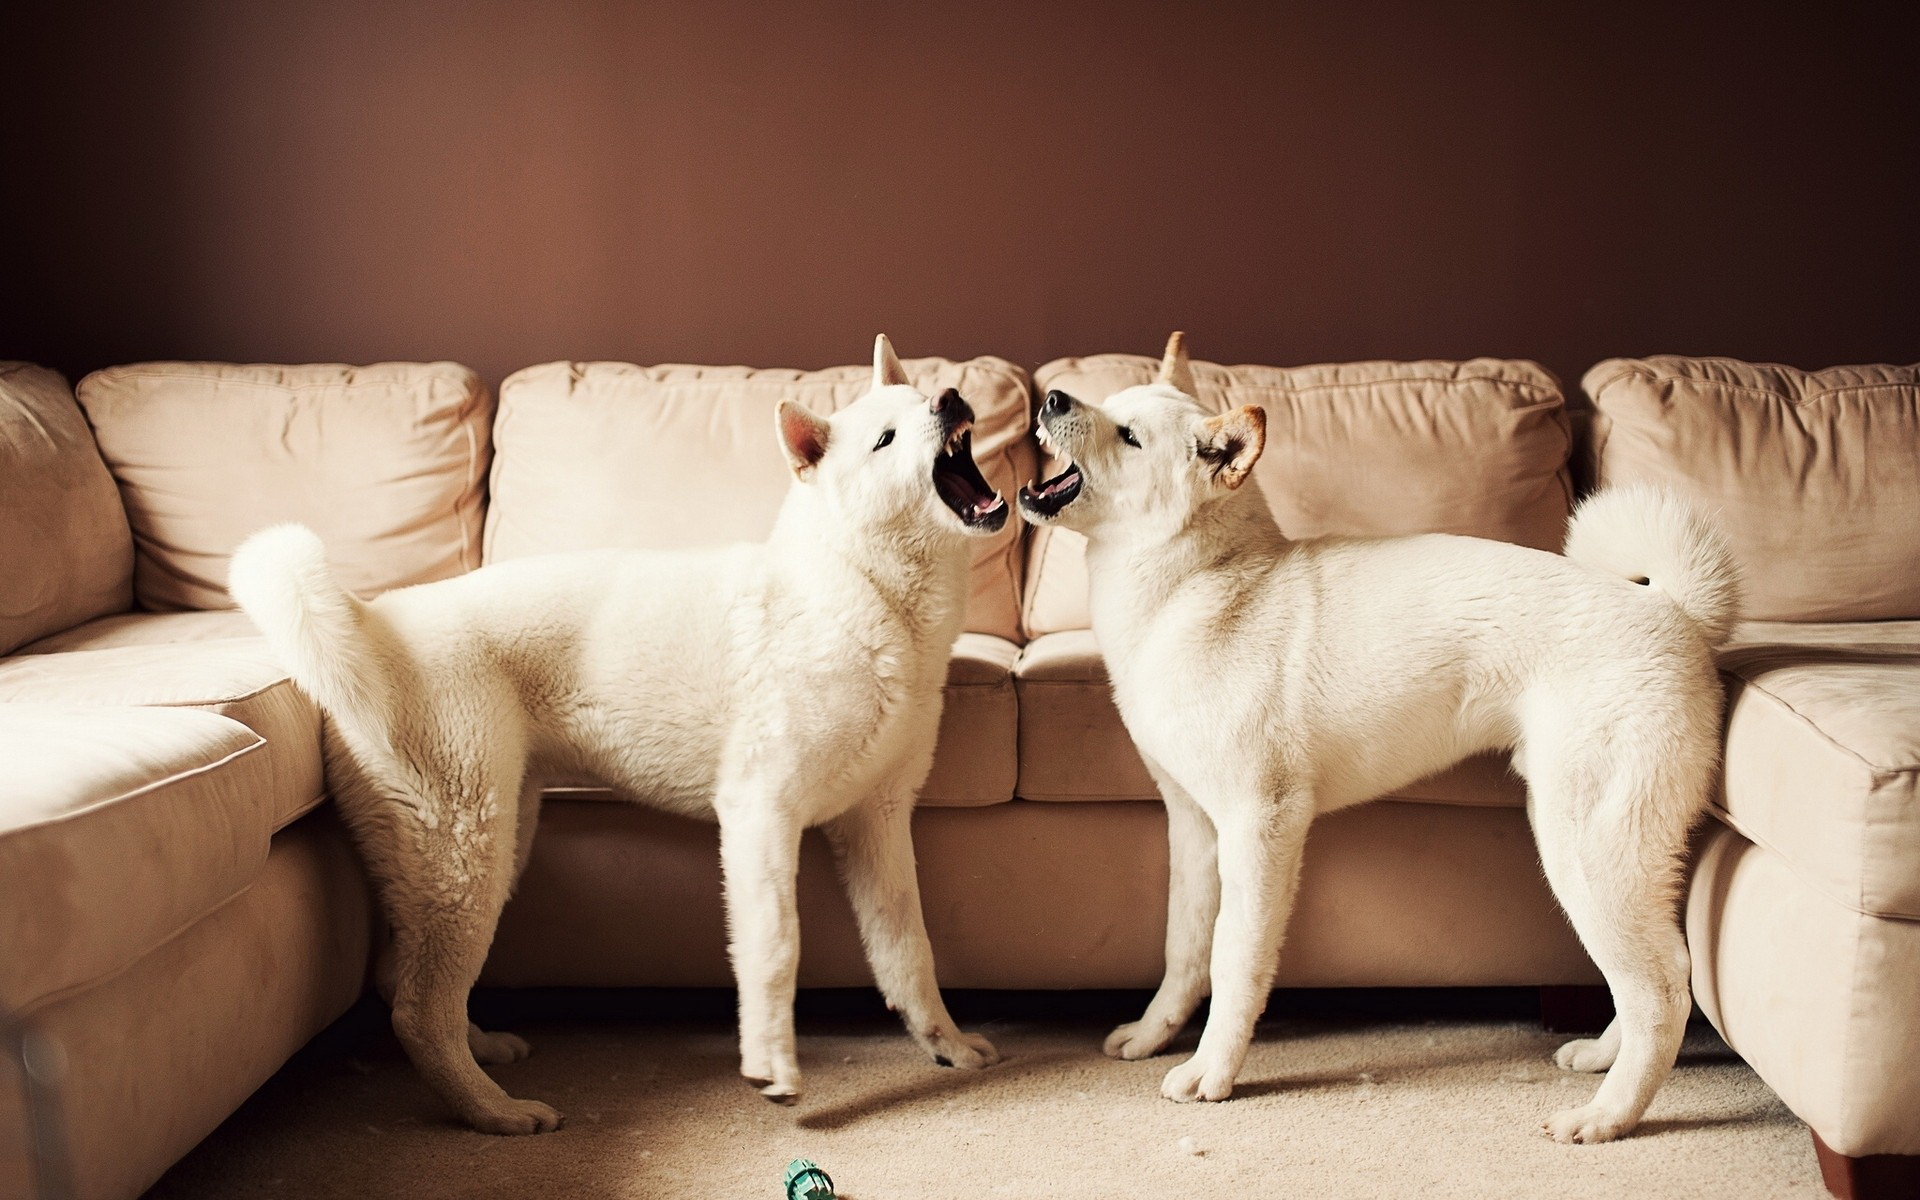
x,y
118,828
385,462
238,679
1823,750
1073,745
611,454
1813,475
63,534
146,629
1477,447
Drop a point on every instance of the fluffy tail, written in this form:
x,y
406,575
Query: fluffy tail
x,y
279,577
1650,535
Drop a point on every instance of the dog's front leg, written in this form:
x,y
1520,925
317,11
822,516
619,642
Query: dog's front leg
x,y
874,844
760,860
1193,903
1260,840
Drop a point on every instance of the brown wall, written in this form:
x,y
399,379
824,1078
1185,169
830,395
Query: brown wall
x,y
506,183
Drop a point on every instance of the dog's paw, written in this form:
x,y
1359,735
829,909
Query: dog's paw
x,y
1586,1054
1194,1080
782,1091
494,1049
969,1051
777,1077
1138,1039
1585,1126
516,1117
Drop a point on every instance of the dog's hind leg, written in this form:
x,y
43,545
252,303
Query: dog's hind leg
x,y
1193,904
1611,848
760,863
496,1048
448,881
1260,840
873,842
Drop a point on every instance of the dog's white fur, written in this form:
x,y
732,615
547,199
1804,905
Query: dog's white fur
x,y
1266,681
772,687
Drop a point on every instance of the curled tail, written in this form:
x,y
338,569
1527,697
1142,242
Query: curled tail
x,y
1649,534
280,579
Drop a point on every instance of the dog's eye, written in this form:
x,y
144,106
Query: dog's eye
x,y
884,439
1126,435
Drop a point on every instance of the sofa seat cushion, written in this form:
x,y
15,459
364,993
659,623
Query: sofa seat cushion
x,y
146,629
1823,750
1814,476
598,454
977,759
1073,745
386,462
63,533
1477,447
119,827
238,679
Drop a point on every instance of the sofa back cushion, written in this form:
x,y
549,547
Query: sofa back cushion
x,y
1477,447
65,554
611,454
385,462
1813,475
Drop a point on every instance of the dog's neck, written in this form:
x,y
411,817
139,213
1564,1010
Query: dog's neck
x,y
1134,572
917,575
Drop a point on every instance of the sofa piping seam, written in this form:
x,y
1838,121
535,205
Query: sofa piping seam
x,y
146,788
1821,888
33,1006
1807,398
1876,769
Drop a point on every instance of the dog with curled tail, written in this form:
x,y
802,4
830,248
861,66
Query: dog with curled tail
x,y
1266,681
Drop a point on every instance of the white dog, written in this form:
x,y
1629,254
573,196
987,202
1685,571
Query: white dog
x,y
773,687
1266,681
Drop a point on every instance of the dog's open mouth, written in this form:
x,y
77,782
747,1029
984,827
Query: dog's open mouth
x,y
961,486
1049,496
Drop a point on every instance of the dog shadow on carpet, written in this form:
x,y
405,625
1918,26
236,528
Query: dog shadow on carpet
x,y
838,1116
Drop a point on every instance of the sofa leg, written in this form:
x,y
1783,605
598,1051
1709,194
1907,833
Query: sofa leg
x,y
1868,1177
1583,1009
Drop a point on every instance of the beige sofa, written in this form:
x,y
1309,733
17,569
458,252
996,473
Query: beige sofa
x,y
181,911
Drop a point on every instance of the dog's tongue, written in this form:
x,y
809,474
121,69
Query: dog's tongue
x,y
1059,483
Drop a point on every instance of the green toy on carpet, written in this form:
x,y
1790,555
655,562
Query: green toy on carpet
x,y
806,1181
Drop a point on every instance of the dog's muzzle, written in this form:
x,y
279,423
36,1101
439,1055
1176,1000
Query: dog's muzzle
x,y
956,479
1045,498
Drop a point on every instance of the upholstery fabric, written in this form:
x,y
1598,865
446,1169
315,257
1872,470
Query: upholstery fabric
x,y
118,828
161,1052
1816,995
1814,475
238,679
146,629
63,535
1823,751
1073,745
386,462
1477,447
612,454
1046,896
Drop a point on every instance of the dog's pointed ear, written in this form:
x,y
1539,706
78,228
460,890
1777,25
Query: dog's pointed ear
x,y
1175,371
887,371
802,435
1231,443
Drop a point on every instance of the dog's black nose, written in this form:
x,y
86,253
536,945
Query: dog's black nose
x,y
949,405
1057,403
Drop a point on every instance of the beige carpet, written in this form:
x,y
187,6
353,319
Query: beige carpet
x,y
1325,1108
